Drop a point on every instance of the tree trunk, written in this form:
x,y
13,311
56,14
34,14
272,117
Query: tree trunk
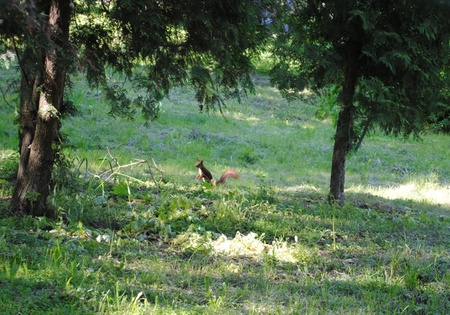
x,y
42,88
342,142
344,129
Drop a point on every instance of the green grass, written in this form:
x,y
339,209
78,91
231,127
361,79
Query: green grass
x,y
140,238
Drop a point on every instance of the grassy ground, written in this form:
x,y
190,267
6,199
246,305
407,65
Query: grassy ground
x,y
141,236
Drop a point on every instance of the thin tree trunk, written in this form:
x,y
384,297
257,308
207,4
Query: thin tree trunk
x,y
344,129
40,104
342,142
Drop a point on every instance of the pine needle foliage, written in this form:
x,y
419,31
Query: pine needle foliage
x,y
207,44
404,52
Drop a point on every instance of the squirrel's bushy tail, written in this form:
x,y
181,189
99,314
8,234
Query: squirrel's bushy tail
x,y
227,174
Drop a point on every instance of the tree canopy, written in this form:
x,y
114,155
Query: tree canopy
x,y
207,44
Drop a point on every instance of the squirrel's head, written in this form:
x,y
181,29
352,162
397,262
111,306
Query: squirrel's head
x,y
199,163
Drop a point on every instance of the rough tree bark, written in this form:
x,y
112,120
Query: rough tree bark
x,y
42,89
344,128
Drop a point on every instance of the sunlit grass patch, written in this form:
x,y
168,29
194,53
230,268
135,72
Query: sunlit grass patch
x,y
250,246
419,191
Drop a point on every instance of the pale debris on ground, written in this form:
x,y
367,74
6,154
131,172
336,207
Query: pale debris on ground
x,y
240,246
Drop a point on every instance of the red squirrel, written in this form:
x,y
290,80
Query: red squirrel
x,y
206,175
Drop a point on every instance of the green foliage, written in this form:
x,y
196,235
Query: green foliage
x,y
404,51
9,162
440,119
206,44
327,103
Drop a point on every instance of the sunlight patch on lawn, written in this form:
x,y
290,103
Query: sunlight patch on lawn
x,y
245,117
314,185
427,192
6,153
249,246
302,188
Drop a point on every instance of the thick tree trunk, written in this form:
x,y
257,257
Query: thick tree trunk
x,y
41,95
344,129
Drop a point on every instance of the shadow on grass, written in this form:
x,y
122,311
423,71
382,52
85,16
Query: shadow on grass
x,y
242,284
23,296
